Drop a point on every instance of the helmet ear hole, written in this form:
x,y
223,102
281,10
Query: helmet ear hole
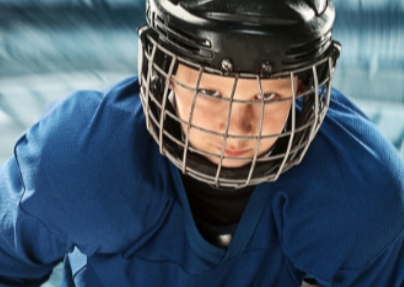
x,y
156,84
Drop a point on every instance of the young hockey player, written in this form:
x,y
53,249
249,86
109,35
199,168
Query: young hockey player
x,y
229,161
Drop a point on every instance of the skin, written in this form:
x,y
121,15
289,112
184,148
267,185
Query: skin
x,y
211,114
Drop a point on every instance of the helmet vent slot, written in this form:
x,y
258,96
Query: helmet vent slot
x,y
185,42
307,51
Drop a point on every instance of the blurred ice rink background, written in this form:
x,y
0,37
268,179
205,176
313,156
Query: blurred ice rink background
x,y
49,48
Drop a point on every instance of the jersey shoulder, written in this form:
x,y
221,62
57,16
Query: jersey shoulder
x,y
340,205
85,162
357,146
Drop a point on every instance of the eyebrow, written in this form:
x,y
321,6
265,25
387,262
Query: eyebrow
x,y
208,84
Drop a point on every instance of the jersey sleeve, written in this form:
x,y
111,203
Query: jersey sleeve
x,y
28,249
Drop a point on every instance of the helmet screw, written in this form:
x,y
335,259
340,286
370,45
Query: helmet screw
x,y
266,67
227,65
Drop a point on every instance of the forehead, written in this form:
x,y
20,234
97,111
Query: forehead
x,y
189,76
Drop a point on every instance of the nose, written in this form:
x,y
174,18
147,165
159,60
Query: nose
x,y
241,120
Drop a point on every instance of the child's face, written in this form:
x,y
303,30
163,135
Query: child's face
x,y
211,114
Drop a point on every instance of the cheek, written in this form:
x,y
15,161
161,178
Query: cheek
x,y
206,115
275,117
274,120
208,112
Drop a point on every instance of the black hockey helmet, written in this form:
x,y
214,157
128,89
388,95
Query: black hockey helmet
x,y
255,39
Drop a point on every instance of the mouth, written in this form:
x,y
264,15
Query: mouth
x,y
233,152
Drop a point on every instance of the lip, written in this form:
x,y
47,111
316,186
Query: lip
x,y
233,153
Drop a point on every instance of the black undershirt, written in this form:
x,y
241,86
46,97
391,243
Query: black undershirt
x,y
216,211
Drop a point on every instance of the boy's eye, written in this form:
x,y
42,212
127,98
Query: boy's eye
x,y
268,97
210,93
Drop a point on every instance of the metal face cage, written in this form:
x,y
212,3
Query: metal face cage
x,y
157,66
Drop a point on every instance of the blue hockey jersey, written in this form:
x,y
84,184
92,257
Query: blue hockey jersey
x,y
87,184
